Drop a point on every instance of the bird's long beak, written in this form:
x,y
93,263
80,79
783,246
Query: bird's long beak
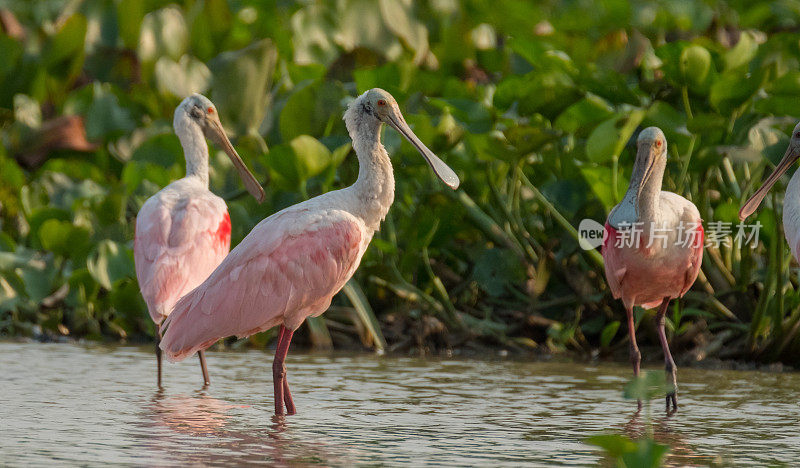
x,y
791,155
441,169
646,160
216,134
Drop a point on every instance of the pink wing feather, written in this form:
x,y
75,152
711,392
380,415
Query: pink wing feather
x,y
615,267
696,259
288,268
177,247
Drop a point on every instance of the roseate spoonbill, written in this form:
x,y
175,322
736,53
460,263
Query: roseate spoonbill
x,y
183,232
791,199
291,264
653,246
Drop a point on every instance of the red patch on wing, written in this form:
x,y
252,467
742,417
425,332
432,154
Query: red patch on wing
x,y
609,237
224,229
700,238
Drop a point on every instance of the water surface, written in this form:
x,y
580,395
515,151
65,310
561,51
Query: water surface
x,y
92,405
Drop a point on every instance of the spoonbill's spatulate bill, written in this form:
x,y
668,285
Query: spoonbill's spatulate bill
x,y
183,232
653,246
791,199
291,264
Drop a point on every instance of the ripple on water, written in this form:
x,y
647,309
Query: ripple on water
x,y
97,404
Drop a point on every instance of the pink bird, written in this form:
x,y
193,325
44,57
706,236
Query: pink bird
x,y
183,232
653,246
291,264
791,199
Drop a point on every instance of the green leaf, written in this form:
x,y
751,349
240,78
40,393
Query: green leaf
x,y
164,149
496,270
585,113
304,157
311,109
64,239
130,14
608,333
609,138
9,59
312,156
365,313
110,262
106,117
614,445
743,52
648,454
398,18
163,33
696,68
67,43
602,141
242,80
600,180
182,78
731,89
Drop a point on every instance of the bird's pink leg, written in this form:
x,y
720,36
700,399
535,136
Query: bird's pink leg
x,y
206,380
282,394
670,364
636,356
158,356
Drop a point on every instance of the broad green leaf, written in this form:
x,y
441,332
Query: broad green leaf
x,y
648,454
110,262
66,44
182,78
602,141
311,109
696,68
496,270
600,180
614,445
106,117
163,33
164,149
743,52
65,239
608,333
731,89
130,14
585,113
242,80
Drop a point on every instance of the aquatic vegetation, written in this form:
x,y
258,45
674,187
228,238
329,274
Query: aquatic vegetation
x,y
642,451
532,103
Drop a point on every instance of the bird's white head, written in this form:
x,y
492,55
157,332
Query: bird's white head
x,y
198,111
789,157
651,157
378,105
653,140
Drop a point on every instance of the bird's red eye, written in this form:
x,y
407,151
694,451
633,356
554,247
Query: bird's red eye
x,y
659,143
797,135
210,110
381,102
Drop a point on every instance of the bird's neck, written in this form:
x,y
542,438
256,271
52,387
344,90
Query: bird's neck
x,y
645,201
195,150
374,188
640,206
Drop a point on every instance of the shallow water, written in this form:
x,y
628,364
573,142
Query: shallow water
x,y
96,404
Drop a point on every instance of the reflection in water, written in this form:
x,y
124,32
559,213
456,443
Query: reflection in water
x,y
681,452
206,417
200,415
363,409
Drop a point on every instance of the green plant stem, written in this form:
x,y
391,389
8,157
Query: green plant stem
x,y
593,254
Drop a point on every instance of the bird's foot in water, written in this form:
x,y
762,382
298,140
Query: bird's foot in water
x,y
672,398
